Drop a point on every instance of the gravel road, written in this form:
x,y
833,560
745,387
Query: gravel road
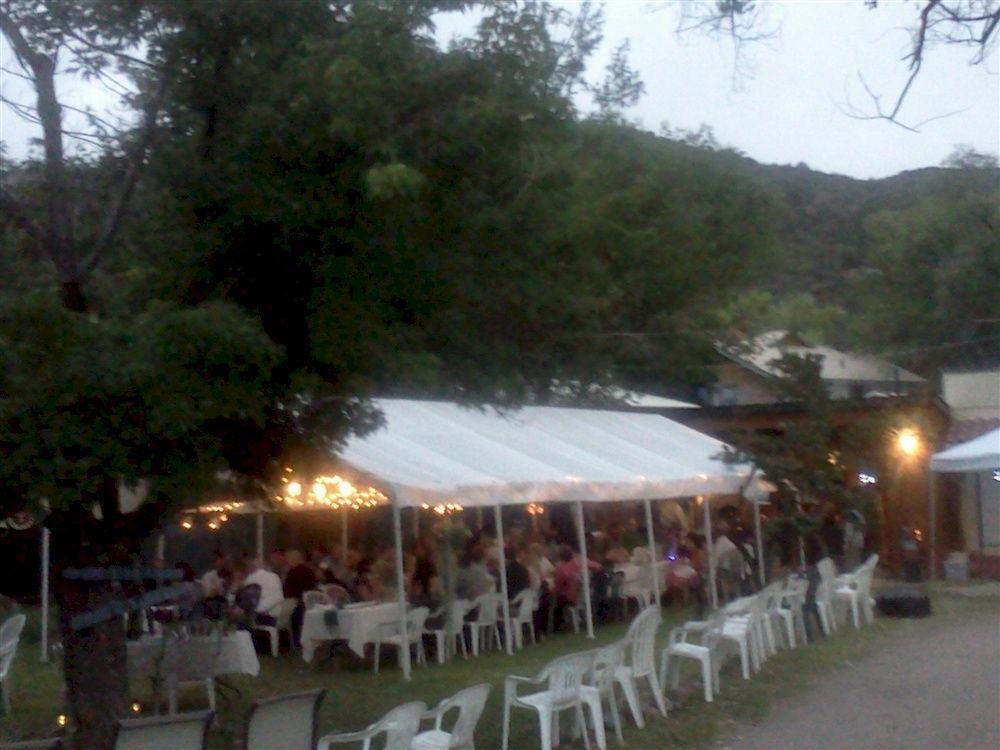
x,y
924,692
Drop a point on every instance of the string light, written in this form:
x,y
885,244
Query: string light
x,y
534,509
136,708
186,524
331,492
61,720
444,509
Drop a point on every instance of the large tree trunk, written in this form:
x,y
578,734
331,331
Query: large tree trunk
x,y
94,665
94,658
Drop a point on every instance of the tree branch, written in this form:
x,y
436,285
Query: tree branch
x,y
58,244
118,207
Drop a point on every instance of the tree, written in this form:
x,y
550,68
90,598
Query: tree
x,y
970,24
312,204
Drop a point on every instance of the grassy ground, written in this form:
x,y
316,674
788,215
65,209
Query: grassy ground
x,y
355,696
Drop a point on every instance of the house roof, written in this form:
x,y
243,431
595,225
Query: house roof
x,y
760,354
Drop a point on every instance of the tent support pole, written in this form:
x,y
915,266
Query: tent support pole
x,y
43,640
761,565
651,538
260,536
710,545
932,521
343,532
585,569
161,546
505,594
404,642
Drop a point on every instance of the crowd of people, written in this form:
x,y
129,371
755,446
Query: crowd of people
x,y
451,561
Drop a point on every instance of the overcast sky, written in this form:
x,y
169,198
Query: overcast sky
x,y
791,108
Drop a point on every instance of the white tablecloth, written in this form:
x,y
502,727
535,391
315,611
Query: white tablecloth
x,y
358,626
192,659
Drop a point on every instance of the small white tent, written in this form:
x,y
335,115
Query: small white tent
x,y
980,454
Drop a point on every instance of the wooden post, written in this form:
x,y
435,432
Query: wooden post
x,y
508,635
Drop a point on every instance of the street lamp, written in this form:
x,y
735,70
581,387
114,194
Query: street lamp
x,y
908,442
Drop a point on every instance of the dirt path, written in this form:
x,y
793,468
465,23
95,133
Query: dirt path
x,y
927,691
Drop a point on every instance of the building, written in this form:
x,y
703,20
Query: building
x,y
748,374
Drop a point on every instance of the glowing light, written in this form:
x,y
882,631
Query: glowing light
x,y
908,442
333,492
867,478
213,525
186,524
136,708
534,509
918,535
61,720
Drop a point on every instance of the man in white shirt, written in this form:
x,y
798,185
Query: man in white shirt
x,y
270,590
213,583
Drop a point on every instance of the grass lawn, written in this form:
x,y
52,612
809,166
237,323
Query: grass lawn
x,y
356,696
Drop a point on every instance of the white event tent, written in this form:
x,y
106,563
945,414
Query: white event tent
x,y
979,454
432,452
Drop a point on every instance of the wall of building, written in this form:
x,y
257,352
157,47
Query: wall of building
x,y
737,386
972,395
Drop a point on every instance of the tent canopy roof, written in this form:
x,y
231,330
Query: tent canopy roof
x,y
979,454
432,452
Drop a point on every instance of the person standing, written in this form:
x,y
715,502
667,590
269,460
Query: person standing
x,y
299,579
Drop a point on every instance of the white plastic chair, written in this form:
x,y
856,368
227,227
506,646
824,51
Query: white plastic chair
x,y
399,726
824,595
189,662
678,648
484,627
639,589
469,703
742,627
10,636
563,680
290,722
452,631
857,595
415,632
282,613
602,679
789,610
181,732
522,608
640,642
312,599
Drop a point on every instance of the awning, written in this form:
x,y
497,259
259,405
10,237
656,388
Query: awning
x,y
433,452
979,454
